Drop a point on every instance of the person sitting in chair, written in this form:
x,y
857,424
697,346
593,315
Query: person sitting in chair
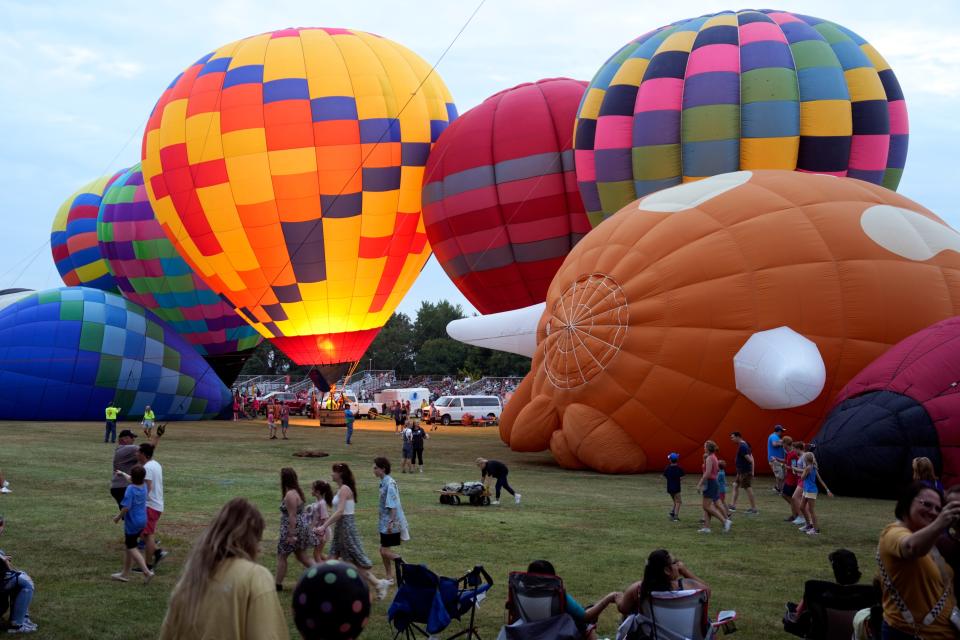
x,y
663,572
584,618
845,572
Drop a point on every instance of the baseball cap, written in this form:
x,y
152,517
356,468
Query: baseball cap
x,y
673,457
126,433
779,427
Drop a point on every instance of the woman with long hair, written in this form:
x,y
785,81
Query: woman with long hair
x,y
810,480
222,591
663,572
346,544
294,525
925,474
710,488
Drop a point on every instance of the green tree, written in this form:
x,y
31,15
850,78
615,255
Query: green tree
x,y
393,347
441,356
269,360
432,320
501,364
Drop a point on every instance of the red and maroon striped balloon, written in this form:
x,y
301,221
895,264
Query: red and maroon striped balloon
x,y
500,198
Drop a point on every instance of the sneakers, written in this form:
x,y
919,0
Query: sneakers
x,y
732,507
812,531
800,521
674,518
382,587
789,519
727,524
516,498
5,489
26,627
421,469
704,530
494,502
119,577
805,528
159,555
753,512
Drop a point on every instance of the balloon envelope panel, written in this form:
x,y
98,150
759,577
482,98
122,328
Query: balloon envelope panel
x,y
149,272
501,205
65,353
73,238
287,167
635,353
738,90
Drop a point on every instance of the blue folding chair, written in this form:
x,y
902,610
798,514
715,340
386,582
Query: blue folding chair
x,y
426,603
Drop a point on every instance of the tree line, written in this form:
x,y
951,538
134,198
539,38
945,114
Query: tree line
x,y
410,347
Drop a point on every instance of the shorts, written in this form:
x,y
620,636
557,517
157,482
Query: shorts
x,y
130,540
147,424
810,495
390,539
152,516
674,494
788,490
744,480
407,451
711,490
777,470
721,496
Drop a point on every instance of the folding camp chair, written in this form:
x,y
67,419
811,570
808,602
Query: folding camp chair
x,y
536,604
829,609
426,603
676,615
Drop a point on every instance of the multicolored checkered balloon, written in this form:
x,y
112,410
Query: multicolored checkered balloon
x,y
738,90
73,238
286,169
65,353
149,271
500,198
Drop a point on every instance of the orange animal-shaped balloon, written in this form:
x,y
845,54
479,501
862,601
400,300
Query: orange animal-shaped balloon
x,y
635,350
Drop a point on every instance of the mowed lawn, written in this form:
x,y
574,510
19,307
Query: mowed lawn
x,y
596,529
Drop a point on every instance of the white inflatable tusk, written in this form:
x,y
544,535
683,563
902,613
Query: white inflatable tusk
x,y
511,331
779,369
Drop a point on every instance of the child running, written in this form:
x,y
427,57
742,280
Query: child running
x,y
317,514
790,479
284,420
271,422
673,473
722,489
133,512
810,479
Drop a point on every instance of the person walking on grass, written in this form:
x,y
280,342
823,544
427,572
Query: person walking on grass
x,y
721,501
284,420
124,458
392,523
346,543
110,428
271,420
154,481
810,479
745,469
317,514
348,421
673,473
711,489
148,419
294,532
790,480
498,471
775,455
223,592
417,436
133,512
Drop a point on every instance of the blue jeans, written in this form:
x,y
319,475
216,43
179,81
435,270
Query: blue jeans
x,y
349,431
110,431
21,589
503,484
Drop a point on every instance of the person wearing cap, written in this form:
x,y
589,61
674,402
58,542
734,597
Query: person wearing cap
x,y
124,459
775,456
746,467
110,427
673,473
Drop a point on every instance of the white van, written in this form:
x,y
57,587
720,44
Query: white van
x,y
415,395
451,408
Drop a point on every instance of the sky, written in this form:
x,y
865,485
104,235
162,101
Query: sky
x,y
79,78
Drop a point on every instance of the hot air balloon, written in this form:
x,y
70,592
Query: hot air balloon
x,y
738,90
286,168
149,272
903,405
65,353
73,239
500,199
645,338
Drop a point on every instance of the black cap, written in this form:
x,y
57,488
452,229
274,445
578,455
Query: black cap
x,y
126,433
779,427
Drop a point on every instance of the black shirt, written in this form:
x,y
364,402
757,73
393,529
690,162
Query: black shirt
x,y
494,469
417,437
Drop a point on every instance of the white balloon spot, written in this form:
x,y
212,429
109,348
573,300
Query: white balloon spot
x,y
692,194
908,233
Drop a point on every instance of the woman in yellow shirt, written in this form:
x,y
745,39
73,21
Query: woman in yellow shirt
x,y
223,592
918,600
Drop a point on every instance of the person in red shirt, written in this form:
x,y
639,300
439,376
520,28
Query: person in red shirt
x,y
790,479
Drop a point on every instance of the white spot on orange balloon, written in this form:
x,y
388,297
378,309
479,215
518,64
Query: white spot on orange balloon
x,y
908,233
692,194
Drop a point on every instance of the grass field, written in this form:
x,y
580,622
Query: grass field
x,y
596,529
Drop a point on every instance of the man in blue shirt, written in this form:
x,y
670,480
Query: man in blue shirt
x,y
348,418
745,470
775,455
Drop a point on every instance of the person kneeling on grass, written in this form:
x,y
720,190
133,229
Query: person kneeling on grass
x,y
585,619
16,586
133,512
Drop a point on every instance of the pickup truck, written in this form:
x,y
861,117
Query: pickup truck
x,y
368,410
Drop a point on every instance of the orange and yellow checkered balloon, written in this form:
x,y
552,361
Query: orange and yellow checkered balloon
x,y
286,168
